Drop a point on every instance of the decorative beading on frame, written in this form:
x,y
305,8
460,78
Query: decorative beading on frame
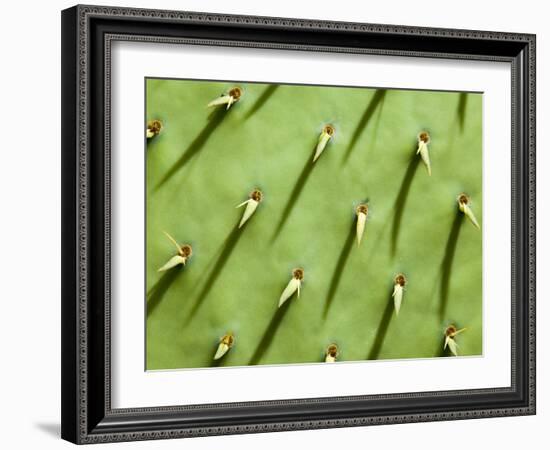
x,y
82,220
303,425
188,16
532,223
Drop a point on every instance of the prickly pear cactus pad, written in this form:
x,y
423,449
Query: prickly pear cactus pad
x,y
311,224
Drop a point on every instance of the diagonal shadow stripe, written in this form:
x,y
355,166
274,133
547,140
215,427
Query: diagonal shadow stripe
x,y
196,146
461,109
401,201
269,333
294,197
159,289
339,269
262,100
381,331
447,264
228,247
376,100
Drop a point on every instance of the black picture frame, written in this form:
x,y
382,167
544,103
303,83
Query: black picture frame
x,y
87,33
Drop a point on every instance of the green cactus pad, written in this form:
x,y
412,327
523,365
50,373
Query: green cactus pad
x,y
206,161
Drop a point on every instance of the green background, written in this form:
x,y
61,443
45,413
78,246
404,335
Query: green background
x,y
207,161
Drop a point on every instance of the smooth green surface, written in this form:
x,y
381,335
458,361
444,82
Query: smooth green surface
x,y
265,140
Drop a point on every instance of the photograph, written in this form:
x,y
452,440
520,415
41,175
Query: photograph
x,y
310,224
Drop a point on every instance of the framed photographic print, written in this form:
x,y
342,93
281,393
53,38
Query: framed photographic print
x,y
281,224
